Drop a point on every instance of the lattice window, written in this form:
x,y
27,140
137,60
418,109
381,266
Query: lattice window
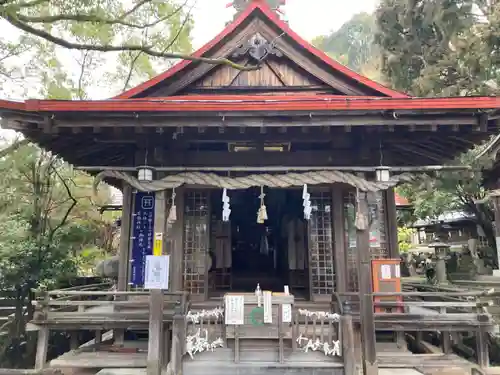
x,y
196,241
321,262
378,244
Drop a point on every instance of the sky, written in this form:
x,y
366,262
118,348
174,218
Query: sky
x,y
308,18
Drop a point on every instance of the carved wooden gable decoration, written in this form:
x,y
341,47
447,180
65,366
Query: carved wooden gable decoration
x,y
287,65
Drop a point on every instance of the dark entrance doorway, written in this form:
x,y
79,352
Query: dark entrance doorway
x,y
259,252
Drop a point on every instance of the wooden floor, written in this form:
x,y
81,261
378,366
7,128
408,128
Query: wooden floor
x,y
389,356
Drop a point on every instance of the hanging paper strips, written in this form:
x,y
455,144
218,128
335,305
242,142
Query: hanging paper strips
x,y
268,306
226,210
142,235
306,197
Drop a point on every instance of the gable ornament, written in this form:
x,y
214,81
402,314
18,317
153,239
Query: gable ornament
x,y
257,48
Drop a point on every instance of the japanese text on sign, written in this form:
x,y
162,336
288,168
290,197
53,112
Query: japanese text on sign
x,y
142,235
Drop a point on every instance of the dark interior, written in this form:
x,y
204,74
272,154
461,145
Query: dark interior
x,y
259,251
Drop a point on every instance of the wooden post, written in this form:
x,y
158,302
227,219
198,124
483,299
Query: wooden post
x,y
391,223
42,347
177,253
338,238
154,365
496,205
42,344
348,345
124,254
363,260
178,341
125,230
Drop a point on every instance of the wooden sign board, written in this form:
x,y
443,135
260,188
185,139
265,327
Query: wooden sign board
x,y
386,274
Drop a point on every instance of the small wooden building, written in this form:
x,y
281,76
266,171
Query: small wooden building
x,y
296,118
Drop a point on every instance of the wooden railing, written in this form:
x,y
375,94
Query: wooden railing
x,y
94,310
441,312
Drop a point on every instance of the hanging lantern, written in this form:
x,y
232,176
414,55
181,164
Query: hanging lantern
x,y
382,174
145,174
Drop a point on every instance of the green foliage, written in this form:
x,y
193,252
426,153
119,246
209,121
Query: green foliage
x,y
353,45
50,231
404,238
353,41
440,48
114,44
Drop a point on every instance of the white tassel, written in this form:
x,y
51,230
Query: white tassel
x,y
172,214
262,212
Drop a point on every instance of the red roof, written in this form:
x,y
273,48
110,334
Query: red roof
x,y
401,201
207,103
272,17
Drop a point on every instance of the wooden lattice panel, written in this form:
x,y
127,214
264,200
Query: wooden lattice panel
x,y
321,262
380,251
196,241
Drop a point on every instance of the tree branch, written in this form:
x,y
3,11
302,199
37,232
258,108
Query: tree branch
x,y
114,48
68,211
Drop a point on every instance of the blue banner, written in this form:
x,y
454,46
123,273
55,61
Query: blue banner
x,y
142,235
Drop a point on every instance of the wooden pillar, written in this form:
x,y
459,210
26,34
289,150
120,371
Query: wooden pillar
x,y
391,223
496,205
348,345
125,233
177,253
124,254
363,260
42,347
155,340
482,350
339,246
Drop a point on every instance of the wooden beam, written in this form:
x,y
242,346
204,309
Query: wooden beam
x,y
260,120
255,158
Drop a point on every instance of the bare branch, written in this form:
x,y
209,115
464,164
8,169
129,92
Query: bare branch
x,y
149,50
70,208
131,70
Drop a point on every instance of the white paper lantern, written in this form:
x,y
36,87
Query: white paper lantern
x,y
145,174
383,174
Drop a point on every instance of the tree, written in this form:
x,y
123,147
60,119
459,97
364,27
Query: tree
x,y
444,48
440,48
46,220
354,41
353,45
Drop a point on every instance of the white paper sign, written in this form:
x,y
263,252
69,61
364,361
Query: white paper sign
x,y
286,313
268,306
157,272
385,271
397,271
234,309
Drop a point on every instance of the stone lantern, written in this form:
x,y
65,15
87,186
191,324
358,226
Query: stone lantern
x,y
441,250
